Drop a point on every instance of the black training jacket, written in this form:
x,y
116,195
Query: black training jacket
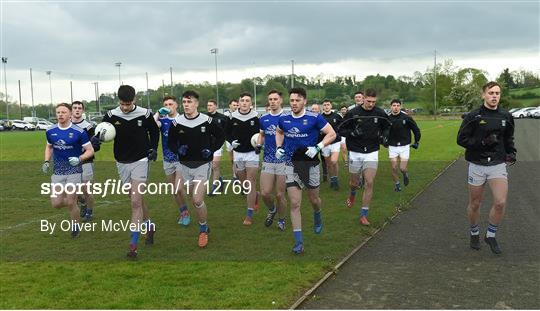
x,y
334,119
241,127
481,123
400,130
374,124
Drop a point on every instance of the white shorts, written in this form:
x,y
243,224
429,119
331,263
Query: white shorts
x,y
171,167
201,173
399,151
133,171
218,153
273,168
245,159
88,171
67,179
479,174
228,146
335,147
361,161
293,180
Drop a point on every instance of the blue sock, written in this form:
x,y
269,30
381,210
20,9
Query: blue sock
x,y
475,229
364,211
353,193
89,211
203,227
281,220
249,212
134,237
317,217
491,230
298,236
333,179
183,208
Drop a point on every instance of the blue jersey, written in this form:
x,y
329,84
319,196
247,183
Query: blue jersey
x,y
168,155
300,132
66,142
269,123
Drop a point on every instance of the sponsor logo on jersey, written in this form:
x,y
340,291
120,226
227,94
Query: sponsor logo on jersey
x,y
376,120
252,123
61,145
404,122
203,129
503,123
482,122
117,123
270,130
295,132
139,122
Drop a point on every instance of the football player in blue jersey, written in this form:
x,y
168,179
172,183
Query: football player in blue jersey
x,y
164,118
297,144
273,169
65,145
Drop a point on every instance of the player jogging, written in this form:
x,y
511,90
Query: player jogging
x,y
195,137
487,134
297,144
399,140
65,145
331,152
221,120
135,144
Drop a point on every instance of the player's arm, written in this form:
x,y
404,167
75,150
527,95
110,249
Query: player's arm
x,y
415,129
465,137
279,137
228,131
345,126
88,152
217,132
172,141
153,132
509,146
329,135
156,118
48,152
261,138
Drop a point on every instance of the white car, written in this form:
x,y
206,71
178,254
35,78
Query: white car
x,y
43,125
532,112
21,125
521,113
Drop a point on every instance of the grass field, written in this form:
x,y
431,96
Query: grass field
x,y
241,267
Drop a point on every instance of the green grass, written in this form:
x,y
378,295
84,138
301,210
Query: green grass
x,y
241,268
522,91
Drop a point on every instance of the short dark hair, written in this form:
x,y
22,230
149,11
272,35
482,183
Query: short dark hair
x,y
274,91
190,93
343,106
232,100
298,90
78,102
245,94
326,100
489,85
212,101
166,98
68,106
395,100
358,92
371,93
126,93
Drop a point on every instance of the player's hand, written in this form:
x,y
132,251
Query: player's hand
x,y
101,135
280,153
96,142
206,153
357,132
74,161
163,111
258,149
312,151
510,159
45,167
415,145
490,140
152,155
235,144
182,150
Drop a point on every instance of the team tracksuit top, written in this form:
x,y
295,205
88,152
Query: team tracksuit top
x,y
198,133
334,119
400,130
241,127
136,133
89,129
374,124
479,124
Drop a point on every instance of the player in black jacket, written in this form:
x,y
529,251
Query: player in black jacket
x,y
221,120
365,127
399,141
135,144
195,137
243,125
487,134
85,200
331,152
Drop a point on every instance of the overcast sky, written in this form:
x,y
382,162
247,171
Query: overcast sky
x,y
81,41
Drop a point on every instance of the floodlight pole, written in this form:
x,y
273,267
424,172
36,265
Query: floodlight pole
x,y
119,64
292,73
215,52
4,62
32,94
172,94
48,72
435,84
147,92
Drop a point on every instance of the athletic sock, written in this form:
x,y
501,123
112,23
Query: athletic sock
x,y
134,237
281,220
475,229
317,217
364,211
491,230
298,236
203,227
272,210
89,211
353,193
249,212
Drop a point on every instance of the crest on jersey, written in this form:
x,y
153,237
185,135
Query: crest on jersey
x,y
139,122
404,122
117,123
376,120
304,121
482,122
503,123
252,123
203,129
335,121
70,135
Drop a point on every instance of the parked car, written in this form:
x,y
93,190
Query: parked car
x,y
522,113
21,125
1,128
530,113
43,125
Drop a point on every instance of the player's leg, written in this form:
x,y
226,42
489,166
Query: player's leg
x,y
369,179
324,167
332,162
217,180
201,175
267,187
498,182
344,152
404,158
280,198
136,200
179,195
87,179
476,180
355,169
251,198
315,200
295,199
395,174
